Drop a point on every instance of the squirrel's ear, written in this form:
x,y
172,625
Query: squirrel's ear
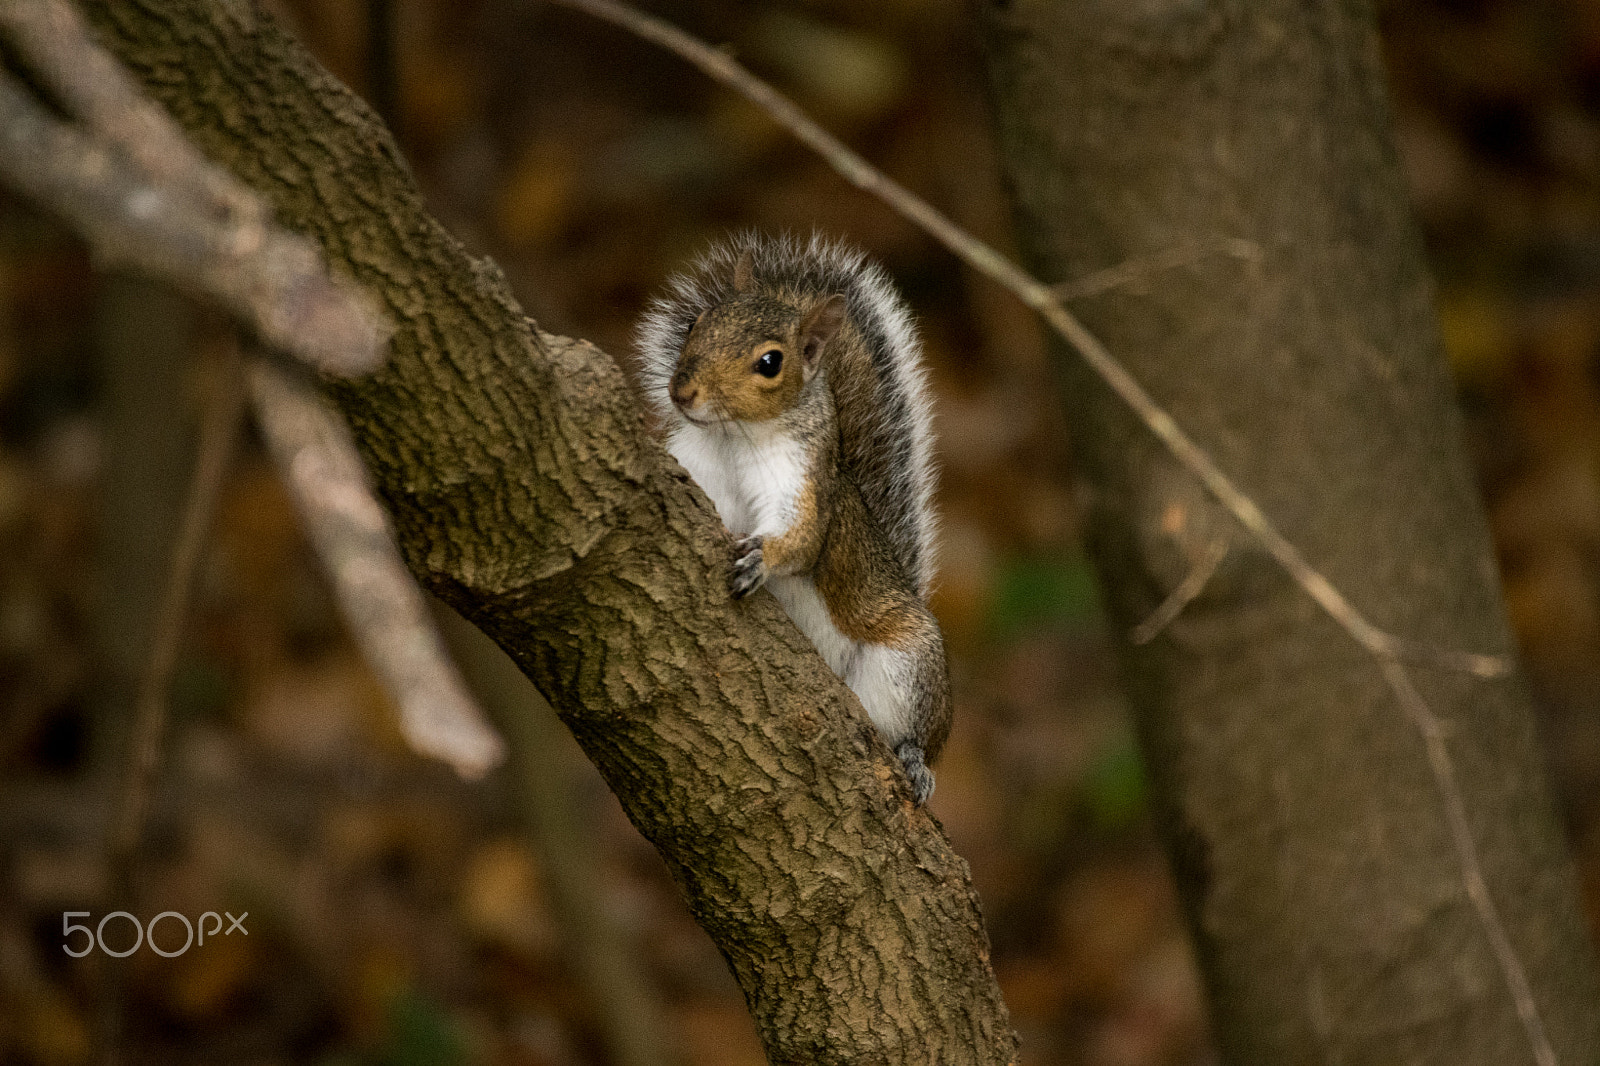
x,y
819,325
744,270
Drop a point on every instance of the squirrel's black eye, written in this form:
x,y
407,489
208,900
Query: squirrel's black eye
x,y
770,363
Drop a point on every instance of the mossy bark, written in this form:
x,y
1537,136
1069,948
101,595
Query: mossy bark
x,y
528,496
1308,834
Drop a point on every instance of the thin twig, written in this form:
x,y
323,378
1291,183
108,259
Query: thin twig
x,y
219,435
1487,667
350,531
1387,649
1183,595
130,183
1142,267
219,438
1444,772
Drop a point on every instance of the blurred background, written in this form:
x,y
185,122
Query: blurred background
x,y
400,916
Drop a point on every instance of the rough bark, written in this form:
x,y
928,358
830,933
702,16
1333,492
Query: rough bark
x,y
1308,835
527,495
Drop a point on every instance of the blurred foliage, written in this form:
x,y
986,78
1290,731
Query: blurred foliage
x,y
1116,787
1043,590
420,1034
399,916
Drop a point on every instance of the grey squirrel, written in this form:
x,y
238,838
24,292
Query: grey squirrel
x,y
790,377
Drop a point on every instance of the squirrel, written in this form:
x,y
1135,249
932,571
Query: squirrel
x,y
789,376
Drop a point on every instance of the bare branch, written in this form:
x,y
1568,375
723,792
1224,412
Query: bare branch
x,y
1143,267
1444,772
313,450
219,436
1387,649
142,195
1190,587
130,184
130,181
94,87
219,439
1487,667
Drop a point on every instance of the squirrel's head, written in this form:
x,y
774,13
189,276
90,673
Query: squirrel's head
x,y
747,359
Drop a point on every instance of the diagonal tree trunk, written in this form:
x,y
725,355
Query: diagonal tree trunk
x,y
527,496
1312,842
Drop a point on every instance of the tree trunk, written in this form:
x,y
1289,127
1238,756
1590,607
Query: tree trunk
x,y
1310,840
526,494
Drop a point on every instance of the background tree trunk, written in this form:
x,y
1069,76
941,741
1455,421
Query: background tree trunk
x,y
145,336
610,968
526,494
1308,836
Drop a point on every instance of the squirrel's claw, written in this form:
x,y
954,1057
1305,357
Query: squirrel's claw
x,y
749,568
917,773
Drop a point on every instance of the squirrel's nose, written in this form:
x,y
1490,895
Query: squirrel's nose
x,y
683,394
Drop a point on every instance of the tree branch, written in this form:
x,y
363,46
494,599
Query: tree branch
x,y
312,449
132,175
139,193
526,494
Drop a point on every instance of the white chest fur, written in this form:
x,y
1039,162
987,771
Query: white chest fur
x,y
755,477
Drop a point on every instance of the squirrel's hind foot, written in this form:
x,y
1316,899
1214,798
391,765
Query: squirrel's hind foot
x,y
749,568
917,772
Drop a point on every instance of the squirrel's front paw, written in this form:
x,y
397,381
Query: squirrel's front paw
x,y
749,568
